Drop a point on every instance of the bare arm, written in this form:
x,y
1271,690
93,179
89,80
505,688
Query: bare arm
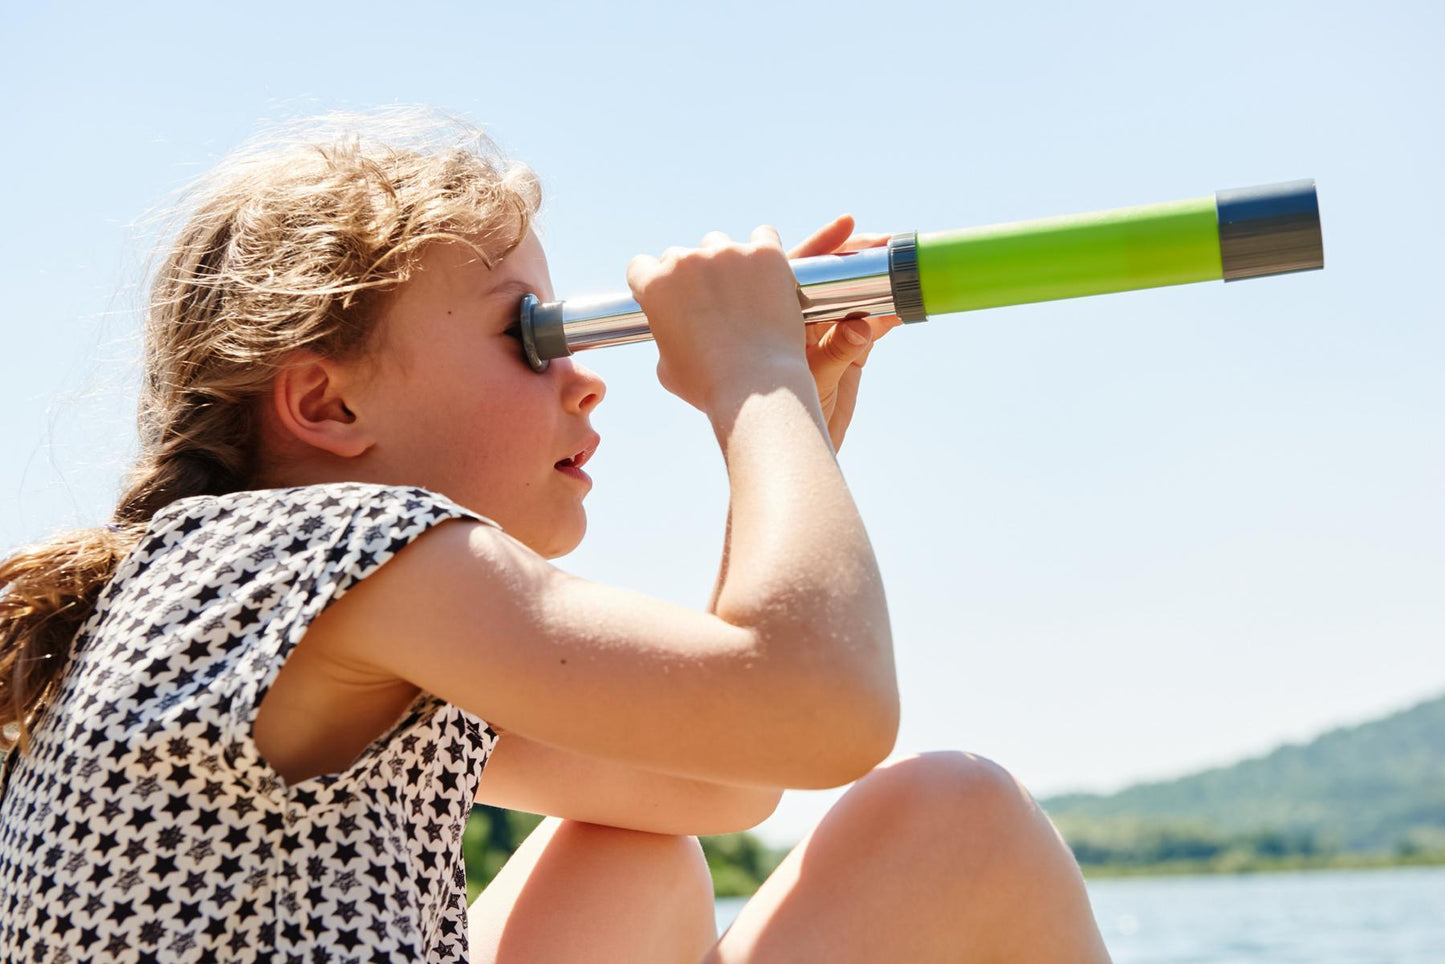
x,y
787,682
836,362
796,556
525,775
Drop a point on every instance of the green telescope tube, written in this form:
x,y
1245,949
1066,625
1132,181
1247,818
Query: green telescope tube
x,y
1069,257
1266,230
1234,234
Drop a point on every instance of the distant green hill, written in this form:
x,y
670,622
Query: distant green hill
x,y
1376,788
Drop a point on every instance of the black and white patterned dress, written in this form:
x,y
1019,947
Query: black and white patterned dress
x,y
143,825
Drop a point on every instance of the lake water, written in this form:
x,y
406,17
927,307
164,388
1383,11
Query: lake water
x,y
1320,917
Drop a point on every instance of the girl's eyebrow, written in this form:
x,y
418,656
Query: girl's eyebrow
x,y
515,287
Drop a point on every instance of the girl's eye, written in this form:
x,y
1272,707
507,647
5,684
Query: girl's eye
x,y
515,331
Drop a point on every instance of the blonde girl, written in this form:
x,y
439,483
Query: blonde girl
x,y
252,712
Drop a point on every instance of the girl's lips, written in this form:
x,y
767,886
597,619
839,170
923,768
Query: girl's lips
x,y
579,458
574,472
572,465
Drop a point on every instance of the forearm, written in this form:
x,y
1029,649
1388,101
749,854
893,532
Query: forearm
x,y
534,777
665,804
797,565
729,809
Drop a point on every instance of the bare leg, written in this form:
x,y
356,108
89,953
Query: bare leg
x,y
937,857
576,892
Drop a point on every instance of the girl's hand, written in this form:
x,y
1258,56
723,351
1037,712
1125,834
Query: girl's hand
x,y
725,316
835,361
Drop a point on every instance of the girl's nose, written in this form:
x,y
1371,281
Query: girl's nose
x,y
584,389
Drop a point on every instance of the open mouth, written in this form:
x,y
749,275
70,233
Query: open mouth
x,y
572,464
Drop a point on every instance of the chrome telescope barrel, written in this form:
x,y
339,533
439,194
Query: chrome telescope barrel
x,y
859,284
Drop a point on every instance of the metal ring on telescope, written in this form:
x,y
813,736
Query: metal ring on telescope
x,y
903,276
529,340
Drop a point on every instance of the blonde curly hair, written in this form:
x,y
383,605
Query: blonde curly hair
x,y
293,241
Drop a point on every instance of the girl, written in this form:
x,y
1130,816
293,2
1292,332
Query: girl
x,y
251,714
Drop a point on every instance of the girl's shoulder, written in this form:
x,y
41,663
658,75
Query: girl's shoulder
x,y
328,533
310,507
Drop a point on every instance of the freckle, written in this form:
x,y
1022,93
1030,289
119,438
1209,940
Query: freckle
x,y
564,662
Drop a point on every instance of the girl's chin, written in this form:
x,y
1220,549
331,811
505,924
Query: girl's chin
x,y
560,538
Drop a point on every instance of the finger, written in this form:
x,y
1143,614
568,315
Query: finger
x,y
877,331
883,324
715,239
766,235
861,242
838,348
879,325
674,252
826,239
640,268
814,331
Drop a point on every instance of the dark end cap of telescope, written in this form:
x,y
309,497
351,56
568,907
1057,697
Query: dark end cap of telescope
x,y
1270,229
543,337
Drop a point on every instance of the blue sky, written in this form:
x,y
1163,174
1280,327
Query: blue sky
x,y
1123,537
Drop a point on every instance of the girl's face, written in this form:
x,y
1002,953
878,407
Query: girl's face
x,y
454,407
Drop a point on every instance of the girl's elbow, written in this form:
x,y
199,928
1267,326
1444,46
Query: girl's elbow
x,y
862,740
877,742
740,809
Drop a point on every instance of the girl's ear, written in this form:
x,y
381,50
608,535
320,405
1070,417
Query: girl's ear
x,y
309,398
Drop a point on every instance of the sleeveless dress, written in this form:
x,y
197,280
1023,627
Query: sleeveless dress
x,y
142,824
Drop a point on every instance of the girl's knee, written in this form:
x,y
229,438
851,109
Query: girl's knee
x,y
950,788
667,873
674,864
957,815
694,875
637,896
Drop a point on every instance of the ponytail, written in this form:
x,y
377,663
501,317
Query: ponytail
x,y
46,592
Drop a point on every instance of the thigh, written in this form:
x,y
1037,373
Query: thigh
x,y
836,893
577,892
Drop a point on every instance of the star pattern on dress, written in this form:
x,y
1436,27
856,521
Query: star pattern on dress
x,y
142,823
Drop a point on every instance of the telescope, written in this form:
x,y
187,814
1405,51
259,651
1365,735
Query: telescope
x,y
1231,235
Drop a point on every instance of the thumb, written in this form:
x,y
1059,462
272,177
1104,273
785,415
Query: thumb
x,y
843,344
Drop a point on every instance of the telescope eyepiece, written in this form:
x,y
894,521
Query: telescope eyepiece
x,y
543,338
